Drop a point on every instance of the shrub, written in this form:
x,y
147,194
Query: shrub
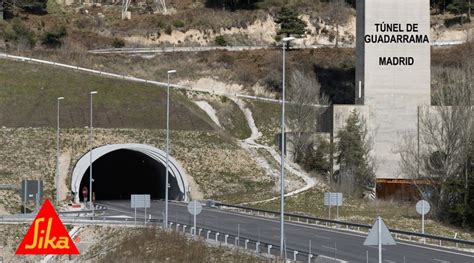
x,y
220,40
118,43
22,34
52,38
168,30
178,23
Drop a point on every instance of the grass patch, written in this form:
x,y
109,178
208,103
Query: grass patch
x,y
231,118
159,246
28,94
267,119
396,215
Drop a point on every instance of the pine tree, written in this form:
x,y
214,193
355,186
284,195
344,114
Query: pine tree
x,y
289,23
356,174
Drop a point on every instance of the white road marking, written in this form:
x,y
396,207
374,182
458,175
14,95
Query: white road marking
x,y
328,230
330,248
442,261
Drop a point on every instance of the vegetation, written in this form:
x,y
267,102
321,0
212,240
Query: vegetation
x,y
356,210
118,43
220,41
289,23
442,167
304,112
159,246
356,175
52,39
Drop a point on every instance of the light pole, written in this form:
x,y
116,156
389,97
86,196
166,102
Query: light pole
x,y
91,145
57,154
167,145
283,148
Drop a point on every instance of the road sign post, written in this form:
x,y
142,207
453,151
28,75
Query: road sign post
x,y
194,208
140,201
333,199
423,208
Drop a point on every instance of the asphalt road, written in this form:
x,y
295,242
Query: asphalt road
x,y
349,245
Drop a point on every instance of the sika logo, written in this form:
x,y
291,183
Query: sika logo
x,y
47,235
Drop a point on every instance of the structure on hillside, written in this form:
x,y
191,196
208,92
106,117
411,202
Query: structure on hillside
x,y
392,82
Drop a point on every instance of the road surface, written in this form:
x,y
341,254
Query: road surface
x,y
349,245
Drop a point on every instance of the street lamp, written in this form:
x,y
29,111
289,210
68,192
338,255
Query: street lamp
x,y
57,154
91,145
167,145
283,148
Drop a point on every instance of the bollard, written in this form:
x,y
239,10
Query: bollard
x,y
208,233
225,238
246,242
257,246
310,256
184,228
237,243
200,230
217,236
177,227
171,224
294,255
192,231
269,249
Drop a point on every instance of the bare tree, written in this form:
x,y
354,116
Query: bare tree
x,y
436,158
307,104
338,13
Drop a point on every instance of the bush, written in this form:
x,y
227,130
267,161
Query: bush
x,y
220,41
178,23
168,30
22,34
53,38
118,43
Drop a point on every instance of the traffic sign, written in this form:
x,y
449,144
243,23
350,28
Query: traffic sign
x,y
373,236
379,235
194,207
140,201
422,207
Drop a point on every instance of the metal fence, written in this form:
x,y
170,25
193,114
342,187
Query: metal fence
x,y
399,234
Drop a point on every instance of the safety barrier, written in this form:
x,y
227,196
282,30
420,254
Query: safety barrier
x,y
399,234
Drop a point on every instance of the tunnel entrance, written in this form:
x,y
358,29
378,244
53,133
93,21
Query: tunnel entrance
x,y
120,173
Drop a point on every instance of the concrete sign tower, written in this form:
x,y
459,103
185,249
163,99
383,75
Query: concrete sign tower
x,y
392,74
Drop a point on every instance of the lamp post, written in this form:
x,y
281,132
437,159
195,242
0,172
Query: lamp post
x,y
91,145
283,148
167,145
57,153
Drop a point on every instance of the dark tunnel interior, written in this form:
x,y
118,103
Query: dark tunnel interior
x,y
121,173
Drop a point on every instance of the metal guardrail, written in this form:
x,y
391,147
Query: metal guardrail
x,y
349,225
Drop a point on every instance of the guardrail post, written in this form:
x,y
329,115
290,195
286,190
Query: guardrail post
x,y
294,255
225,238
439,242
177,227
269,248
246,242
217,236
310,256
257,247
236,241
208,233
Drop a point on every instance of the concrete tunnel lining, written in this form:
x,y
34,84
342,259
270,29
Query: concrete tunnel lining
x,y
175,169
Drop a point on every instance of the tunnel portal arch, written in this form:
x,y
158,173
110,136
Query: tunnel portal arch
x,y
121,159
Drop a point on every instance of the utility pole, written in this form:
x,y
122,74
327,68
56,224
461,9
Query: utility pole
x,y
91,145
283,148
167,146
57,153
